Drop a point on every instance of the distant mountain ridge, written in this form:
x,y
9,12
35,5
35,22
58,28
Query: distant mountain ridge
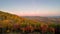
x,y
44,19
54,16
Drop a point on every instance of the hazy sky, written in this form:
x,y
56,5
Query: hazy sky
x,y
31,7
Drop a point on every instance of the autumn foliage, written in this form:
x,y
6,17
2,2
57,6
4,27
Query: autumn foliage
x,y
13,23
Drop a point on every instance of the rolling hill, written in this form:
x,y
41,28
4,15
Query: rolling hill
x,y
13,23
7,19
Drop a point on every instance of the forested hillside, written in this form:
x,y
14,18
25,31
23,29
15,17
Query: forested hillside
x,y
13,23
11,19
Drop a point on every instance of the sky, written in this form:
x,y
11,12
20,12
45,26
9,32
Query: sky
x,y
31,7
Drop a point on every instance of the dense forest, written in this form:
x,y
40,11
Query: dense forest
x,y
13,23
